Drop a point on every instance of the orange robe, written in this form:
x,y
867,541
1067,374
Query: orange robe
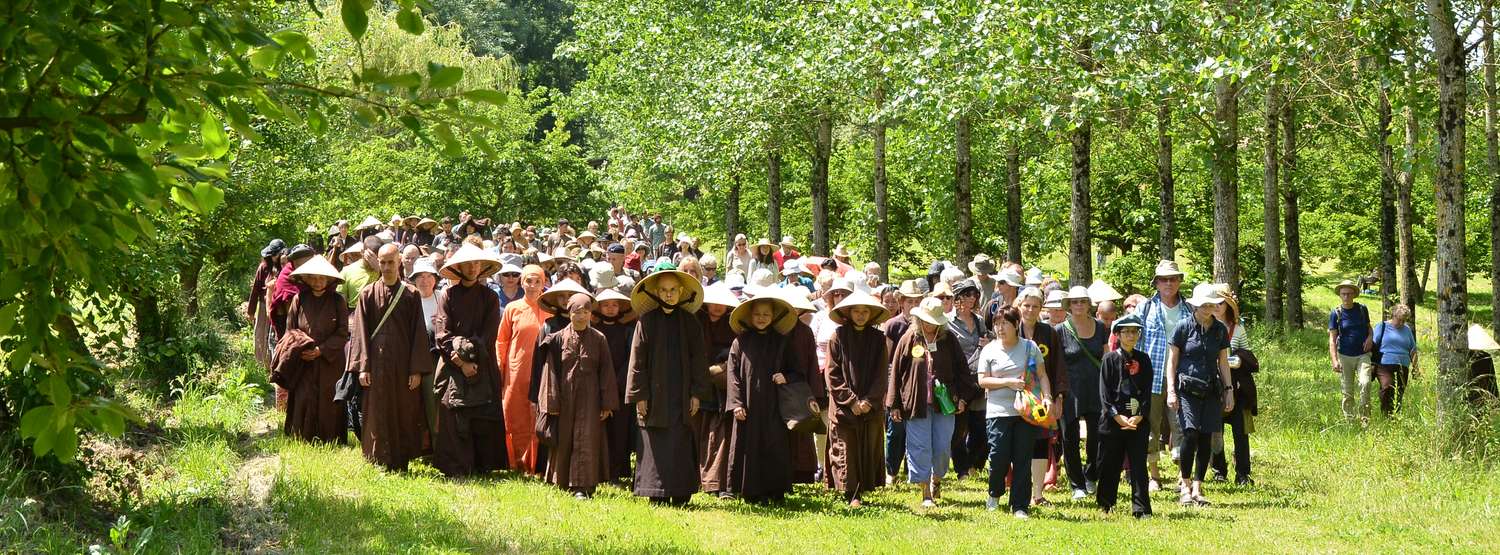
x,y
519,326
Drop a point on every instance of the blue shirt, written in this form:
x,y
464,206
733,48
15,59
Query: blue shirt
x,y
1353,329
1199,347
1396,343
1156,334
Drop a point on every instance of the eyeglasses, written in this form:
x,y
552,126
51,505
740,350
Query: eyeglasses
x,y
511,276
710,268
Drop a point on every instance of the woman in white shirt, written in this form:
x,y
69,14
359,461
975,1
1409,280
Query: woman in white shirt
x,y
1006,367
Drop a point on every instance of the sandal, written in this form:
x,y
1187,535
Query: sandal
x,y
1041,502
1186,499
1201,501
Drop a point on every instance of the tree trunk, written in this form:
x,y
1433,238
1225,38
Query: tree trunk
x,y
732,211
1080,264
882,227
1272,218
962,192
1406,217
1226,179
1168,244
1013,201
1448,181
1387,198
822,151
1291,226
773,195
187,279
1492,160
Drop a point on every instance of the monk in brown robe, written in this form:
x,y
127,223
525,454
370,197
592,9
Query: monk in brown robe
x,y
668,380
804,348
470,434
579,390
390,352
760,457
616,321
713,426
858,370
311,412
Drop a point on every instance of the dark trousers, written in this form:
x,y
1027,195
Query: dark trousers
x,y
895,445
1197,447
1012,441
1080,471
1393,378
1236,422
970,441
1114,449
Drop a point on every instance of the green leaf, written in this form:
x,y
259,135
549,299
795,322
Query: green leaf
x,y
58,390
8,317
208,196
183,196
442,77
451,146
410,21
355,19
215,141
498,98
65,446
296,44
36,420
265,57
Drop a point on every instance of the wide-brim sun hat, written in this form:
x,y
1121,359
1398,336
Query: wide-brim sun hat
x,y
1011,277
762,278
1205,293
1481,340
797,297
982,264
603,276
422,266
275,247
614,295
784,316
910,290
555,298
1099,291
368,223
426,223
355,248
791,268
689,300
1034,276
931,312
1054,299
488,266
941,289
1077,293
317,266
786,241
1167,268
411,221
1128,321
720,294
311,229
878,312
1346,284
840,284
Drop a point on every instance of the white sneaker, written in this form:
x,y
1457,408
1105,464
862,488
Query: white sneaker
x,y
992,504
1022,515
928,504
1079,493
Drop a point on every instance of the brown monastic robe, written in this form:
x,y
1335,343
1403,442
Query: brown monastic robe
x,y
760,457
470,434
578,382
713,425
394,419
858,370
668,368
311,412
804,348
621,426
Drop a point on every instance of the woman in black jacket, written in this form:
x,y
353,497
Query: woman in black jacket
x,y
1125,399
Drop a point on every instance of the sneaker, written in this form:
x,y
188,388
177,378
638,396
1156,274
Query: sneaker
x,y
1201,501
580,495
1144,516
1154,486
1220,477
1186,499
993,504
1091,486
890,479
726,495
855,503
1022,515
928,503
1244,481
1080,494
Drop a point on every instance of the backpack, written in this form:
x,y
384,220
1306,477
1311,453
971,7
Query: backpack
x,y
1338,315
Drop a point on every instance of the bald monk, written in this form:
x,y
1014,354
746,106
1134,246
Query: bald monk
x,y
390,352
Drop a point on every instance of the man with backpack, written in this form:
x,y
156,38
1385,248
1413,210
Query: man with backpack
x,y
1349,343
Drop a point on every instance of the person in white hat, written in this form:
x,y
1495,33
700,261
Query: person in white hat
x,y
616,320
857,375
713,426
311,355
763,257
1104,297
1053,311
1084,341
739,255
468,438
1197,387
787,251
1350,339
1482,367
1007,284
1160,315
389,351
507,284
930,382
667,382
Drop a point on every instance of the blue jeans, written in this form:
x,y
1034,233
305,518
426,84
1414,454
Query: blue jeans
x,y
1012,441
895,445
928,444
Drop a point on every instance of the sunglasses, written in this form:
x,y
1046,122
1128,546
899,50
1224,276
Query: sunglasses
x,y
511,276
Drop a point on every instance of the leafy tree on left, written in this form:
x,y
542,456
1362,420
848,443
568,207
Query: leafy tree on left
x,y
113,113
